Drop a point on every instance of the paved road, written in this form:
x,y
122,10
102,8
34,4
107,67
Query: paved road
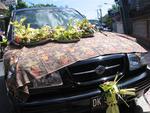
x,y
5,106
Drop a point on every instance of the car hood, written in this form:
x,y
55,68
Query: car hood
x,y
45,59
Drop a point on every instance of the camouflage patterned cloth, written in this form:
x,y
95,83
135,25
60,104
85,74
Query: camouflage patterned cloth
x,y
23,65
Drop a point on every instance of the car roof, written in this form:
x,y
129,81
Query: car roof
x,y
42,8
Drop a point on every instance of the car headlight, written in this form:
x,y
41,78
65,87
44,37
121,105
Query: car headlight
x,y
136,60
54,79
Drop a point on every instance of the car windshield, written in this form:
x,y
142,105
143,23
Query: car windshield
x,y
52,17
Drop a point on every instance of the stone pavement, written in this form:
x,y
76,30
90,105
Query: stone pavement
x,y
143,104
147,97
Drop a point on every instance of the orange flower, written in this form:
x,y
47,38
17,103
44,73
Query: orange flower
x,y
17,39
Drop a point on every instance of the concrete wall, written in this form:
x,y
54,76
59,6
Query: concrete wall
x,y
118,27
141,30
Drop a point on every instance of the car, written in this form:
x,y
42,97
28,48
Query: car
x,y
96,23
107,29
71,78
99,26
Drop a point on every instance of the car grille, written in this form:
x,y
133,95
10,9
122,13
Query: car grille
x,y
81,77
84,72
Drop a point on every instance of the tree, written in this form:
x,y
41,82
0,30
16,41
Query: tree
x,y
115,8
107,20
42,5
21,4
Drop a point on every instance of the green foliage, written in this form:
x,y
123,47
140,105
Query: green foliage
x,y
4,41
81,29
115,8
27,34
70,33
42,5
85,27
107,20
21,5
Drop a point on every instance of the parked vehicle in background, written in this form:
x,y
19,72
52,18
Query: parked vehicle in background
x,y
97,24
107,29
72,88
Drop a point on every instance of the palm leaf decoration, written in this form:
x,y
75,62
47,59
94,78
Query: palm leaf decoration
x,y
4,41
111,91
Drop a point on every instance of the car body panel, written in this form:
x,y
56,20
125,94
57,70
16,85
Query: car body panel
x,y
82,102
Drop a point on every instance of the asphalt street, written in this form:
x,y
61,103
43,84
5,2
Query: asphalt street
x,y
142,106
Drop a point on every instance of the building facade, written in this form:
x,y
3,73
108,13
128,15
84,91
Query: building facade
x,y
9,2
137,18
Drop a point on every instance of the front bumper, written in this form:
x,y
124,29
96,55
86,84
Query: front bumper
x,y
80,102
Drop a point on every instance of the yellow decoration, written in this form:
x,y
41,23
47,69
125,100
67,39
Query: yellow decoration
x,y
111,91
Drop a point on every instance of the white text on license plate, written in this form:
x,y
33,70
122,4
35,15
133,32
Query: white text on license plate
x,y
96,102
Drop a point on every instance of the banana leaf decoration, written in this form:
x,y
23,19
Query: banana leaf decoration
x,y
4,41
111,91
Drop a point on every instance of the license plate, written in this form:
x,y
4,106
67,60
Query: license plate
x,y
96,102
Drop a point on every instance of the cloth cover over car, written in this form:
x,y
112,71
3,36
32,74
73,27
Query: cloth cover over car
x,y
25,64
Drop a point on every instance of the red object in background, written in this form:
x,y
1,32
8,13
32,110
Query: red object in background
x,y
17,39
